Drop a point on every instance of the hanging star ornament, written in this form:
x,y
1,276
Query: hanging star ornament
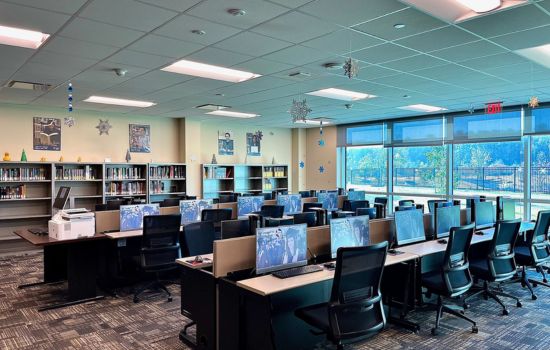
x,y
302,164
103,127
321,169
299,110
533,102
351,68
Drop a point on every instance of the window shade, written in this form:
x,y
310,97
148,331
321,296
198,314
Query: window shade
x,y
537,121
415,132
372,134
488,127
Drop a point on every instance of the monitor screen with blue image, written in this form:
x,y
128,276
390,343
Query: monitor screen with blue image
x,y
291,202
409,227
282,247
356,195
484,214
131,216
247,205
191,209
329,200
349,232
445,218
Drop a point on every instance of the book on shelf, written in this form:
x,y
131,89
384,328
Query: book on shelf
x,y
274,171
156,187
85,173
167,172
124,173
22,174
13,192
125,188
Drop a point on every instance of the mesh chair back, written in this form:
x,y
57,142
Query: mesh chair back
x,y
538,241
305,194
170,202
309,206
359,204
405,202
160,245
273,211
371,212
199,238
502,264
235,228
381,200
216,215
346,205
309,218
115,204
456,273
405,207
269,222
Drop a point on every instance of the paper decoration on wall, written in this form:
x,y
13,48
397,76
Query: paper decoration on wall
x,y
253,141
533,102
79,159
70,97
299,111
302,164
103,127
46,134
128,156
42,159
226,143
273,160
140,138
23,156
61,159
321,169
351,68
471,108
69,121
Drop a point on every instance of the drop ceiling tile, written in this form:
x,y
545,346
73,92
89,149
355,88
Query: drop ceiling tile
x,y
60,61
31,18
150,82
383,53
342,41
413,63
256,12
176,5
255,44
524,39
72,47
437,39
498,60
297,55
544,4
163,46
468,51
290,3
445,72
102,76
415,22
507,21
127,13
19,96
402,81
43,73
372,72
181,27
351,11
13,56
65,6
295,27
262,66
139,59
212,55
188,88
100,33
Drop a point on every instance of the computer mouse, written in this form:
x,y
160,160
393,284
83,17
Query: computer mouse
x,y
479,233
442,241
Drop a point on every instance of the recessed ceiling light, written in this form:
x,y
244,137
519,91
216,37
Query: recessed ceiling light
x,y
538,54
22,37
236,12
423,108
209,71
233,114
399,26
481,6
340,94
198,32
119,101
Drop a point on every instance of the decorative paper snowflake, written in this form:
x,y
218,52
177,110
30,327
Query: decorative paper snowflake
x,y
321,143
299,110
259,134
533,102
302,164
321,169
351,68
69,121
471,109
103,127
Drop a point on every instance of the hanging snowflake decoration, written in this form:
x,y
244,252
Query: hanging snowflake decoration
x,y
103,127
533,102
321,169
259,134
69,121
299,110
321,142
302,164
70,97
351,68
471,108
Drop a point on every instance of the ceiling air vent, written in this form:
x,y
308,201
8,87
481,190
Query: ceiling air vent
x,y
25,85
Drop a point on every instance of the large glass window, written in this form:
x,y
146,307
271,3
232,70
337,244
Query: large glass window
x,y
366,168
419,170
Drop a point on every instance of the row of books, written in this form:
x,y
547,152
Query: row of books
x,y
126,188
86,173
124,173
167,172
22,174
218,172
274,171
159,187
13,192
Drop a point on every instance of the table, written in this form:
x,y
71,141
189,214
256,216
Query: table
x,y
77,262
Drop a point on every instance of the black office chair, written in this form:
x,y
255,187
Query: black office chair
x,y
453,279
170,202
404,207
354,205
342,214
405,202
272,211
308,206
322,215
216,216
267,196
354,311
380,203
371,212
198,238
160,248
186,197
309,218
498,265
535,253
100,207
273,222
305,194
115,204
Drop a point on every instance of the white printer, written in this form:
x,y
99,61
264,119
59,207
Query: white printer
x,y
72,224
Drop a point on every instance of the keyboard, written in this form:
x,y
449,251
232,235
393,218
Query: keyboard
x,y
297,271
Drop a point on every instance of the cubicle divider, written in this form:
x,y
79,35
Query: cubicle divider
x,y
109,220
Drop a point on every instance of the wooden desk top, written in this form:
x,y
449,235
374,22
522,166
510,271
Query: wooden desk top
x,y
268,284
208,259
124,234
39,240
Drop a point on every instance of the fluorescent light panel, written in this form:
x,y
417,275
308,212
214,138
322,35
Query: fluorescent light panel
x,y
22,37
312,122
119,101
233,114
538,54
481,6
423,108
340,94
208,71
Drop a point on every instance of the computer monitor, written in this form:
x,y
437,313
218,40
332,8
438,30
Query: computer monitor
x,y
470,201
445,218
61,198
329,200
279,248
356,195
506,208
349,232
235,228
409,227
484,214
131,216
441,203
247,205
291,202
190,210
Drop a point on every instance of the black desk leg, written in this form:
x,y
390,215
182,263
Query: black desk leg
x,y
81,275
55,266
401,321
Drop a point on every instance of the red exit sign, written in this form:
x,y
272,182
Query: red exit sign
x,y
493,108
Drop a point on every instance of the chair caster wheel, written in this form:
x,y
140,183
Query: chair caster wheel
x,y
505,312
535,284
169,299
434,331
474,329
519,304
545,280
465,306
534,297
136,300
523,285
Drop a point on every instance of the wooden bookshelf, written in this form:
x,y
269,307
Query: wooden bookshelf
x,y
85,180
216,179
125,180
166,180
248,178
275,177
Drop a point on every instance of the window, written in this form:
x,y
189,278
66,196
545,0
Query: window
x,y
487,126
420,170
418,131
366,168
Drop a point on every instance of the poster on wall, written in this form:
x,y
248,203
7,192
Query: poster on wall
x,y
253,143
140,138
46,134
225,143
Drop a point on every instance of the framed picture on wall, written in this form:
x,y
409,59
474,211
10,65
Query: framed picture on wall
x,y
140,138
46,134
253,141
226,144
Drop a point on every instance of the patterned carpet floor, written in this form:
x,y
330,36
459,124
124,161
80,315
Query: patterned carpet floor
x,y
118,323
